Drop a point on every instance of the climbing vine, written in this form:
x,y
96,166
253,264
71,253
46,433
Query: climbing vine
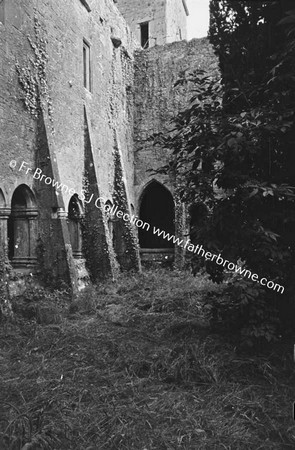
x,y
181,225
97,245
120,199
32,76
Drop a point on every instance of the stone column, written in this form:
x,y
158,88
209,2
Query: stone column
x,y
61,213
4,216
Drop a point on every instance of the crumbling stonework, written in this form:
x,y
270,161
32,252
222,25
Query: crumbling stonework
x,y
176,19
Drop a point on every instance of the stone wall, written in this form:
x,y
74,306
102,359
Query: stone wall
x,y
167,19
157,101
176,17
64,25
152,11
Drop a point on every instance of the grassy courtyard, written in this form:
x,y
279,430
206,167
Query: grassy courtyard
x,y
131,365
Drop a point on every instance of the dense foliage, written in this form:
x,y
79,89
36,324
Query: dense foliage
x,y
233,149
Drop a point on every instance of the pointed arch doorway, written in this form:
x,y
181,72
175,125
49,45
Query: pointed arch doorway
x,y
156,208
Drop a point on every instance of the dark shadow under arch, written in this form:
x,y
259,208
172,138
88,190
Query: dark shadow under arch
x,y
2,199
22,227
23,198
157,209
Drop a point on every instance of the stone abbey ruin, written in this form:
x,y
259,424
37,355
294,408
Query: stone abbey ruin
x,y
84,86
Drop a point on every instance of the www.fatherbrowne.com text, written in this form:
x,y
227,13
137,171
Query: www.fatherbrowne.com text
x,y
199,250
114,211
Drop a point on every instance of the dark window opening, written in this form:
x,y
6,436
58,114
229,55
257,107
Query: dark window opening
x,y
144,35
157,209
86,66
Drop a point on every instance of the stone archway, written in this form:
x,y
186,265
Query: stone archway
x,y
157,209
22,228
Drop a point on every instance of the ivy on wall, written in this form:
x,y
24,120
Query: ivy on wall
x,y
129,257
97,248
32,76
181,225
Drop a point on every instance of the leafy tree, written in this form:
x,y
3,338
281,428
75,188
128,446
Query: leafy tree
x,y
233,149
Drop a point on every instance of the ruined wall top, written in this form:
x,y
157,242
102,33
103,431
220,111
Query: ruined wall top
x,y
155,22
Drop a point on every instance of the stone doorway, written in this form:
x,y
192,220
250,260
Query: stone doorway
x,y
157,209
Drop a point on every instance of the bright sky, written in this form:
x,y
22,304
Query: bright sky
x,y
198,20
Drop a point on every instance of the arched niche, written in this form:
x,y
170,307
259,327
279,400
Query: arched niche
x,y
22,228
75,215
157,209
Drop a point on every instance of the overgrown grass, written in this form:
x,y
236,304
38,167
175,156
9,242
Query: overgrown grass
x,y
132,365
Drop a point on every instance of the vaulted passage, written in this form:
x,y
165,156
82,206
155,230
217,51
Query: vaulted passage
x,y
157,209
